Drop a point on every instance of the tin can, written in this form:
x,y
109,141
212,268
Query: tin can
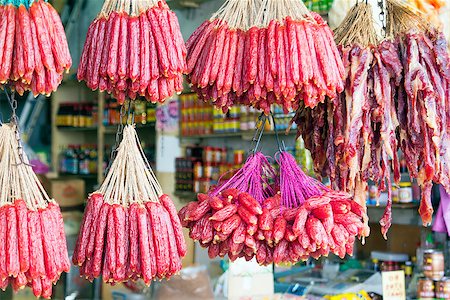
x,y
198,170
373,193
442,289
217,155
223,155
197,186
207,170
405,192
433,264
239,157
209,154
425,289
395,197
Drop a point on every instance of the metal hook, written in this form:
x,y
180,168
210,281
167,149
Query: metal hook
x,y
281,147
15,121
119,132
130,112
260,127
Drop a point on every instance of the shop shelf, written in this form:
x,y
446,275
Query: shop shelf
x,y
191,196
82,176
247,135
72,128
113,128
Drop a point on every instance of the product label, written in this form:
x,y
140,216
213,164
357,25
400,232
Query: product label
x,y
394,285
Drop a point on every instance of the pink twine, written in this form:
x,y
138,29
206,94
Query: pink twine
x,y
253,178
295,186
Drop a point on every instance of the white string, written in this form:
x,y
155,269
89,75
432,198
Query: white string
x,y
130,178
18,181
244,14
130,7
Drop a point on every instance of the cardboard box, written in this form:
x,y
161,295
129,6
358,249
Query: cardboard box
x,y
67,192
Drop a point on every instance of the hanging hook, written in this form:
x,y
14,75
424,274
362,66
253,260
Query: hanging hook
x,y
119,133
15,122
382,18
130,112
281,146
260,127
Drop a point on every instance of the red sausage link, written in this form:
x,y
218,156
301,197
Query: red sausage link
x,y
22,222
5,67
12,244
113,54
37,265
84,61
177,228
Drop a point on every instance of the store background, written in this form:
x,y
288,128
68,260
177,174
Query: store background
x,y
168,145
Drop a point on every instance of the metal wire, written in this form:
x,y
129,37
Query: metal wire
x,y
15,121
122,115
382,17
260,127
281,145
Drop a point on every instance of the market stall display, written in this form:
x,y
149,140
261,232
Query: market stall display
x,y
33,251
134,48
130,229
259,53
34,52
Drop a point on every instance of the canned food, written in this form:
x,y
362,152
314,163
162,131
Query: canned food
x,y
217,155
207,170
198,170
197,187
395,196
373,192
223,155
433,264
209,154
239,157
405,192
442,289
425,289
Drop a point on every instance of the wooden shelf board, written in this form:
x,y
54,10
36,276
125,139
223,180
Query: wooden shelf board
x,y
242,134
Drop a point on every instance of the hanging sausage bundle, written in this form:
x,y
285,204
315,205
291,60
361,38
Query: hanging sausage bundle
x,y
134,48
33,47
262,52
244,217
352,138
225,220
311,220
423,100
130,229
33,251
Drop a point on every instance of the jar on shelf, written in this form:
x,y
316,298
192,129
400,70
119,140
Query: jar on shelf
x,y
405,192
